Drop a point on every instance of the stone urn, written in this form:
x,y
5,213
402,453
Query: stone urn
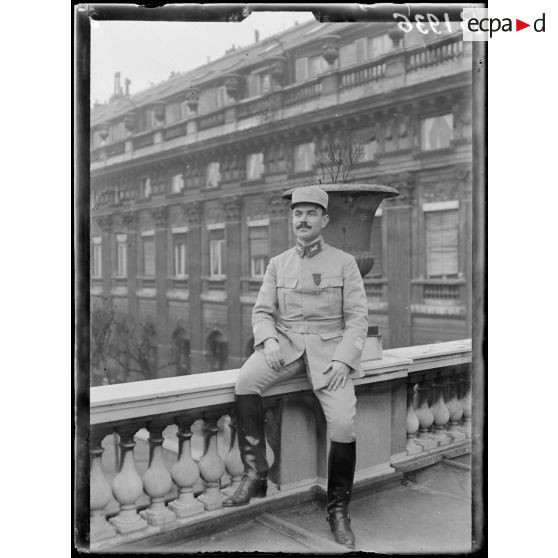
x,y
330,48
103,132
351,211
233,84
159,111
192,99
279,69
396,34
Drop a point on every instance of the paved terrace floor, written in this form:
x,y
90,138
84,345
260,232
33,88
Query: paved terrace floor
x,y
429,511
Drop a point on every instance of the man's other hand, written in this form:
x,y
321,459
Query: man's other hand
x,y
339,372
272,353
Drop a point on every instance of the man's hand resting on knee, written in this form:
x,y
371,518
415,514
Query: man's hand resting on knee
x,y
272,353
339,371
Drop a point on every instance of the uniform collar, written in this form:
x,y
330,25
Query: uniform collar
x,y
309,250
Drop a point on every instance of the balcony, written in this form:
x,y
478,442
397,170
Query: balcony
x,y
385,74
413,412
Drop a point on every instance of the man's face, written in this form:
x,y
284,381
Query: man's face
x,y
308,221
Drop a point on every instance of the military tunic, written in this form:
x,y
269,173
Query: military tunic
x,y
313,302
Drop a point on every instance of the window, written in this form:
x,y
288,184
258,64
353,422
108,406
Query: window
x,y
301,69
97,258
378,45
376,246
347,55
216,250
145,187
177,184
254,166
121,255
442,243
304,157
222,96
360,50
436,132
254,85
265,81
212,175
259,250
180,250
149,256
370,148
173,113
317,65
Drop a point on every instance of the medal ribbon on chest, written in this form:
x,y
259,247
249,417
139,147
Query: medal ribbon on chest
x,y
317,280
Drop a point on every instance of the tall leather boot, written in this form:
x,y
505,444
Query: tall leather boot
x,y
251,442
341,463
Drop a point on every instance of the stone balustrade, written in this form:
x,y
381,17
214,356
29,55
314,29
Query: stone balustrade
x,y
413,407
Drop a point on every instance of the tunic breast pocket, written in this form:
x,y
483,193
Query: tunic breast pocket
x,y
334,287
287,294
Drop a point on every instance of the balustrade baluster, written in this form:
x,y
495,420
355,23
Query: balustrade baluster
x,y
233,463
455,410
185,473
425,417
441,414
465,382
100,493
127,486
211,466
157,481
412,422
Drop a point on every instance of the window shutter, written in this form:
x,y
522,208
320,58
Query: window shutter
x,y
442,243
259,241
360,50
301,69
149,257
253,85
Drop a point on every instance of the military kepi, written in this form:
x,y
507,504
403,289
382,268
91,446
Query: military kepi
x,y
309,194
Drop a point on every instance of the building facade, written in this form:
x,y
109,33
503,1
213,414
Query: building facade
x,y
187,176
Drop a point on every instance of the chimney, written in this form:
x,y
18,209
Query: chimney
x,y
127,82
256,35
117,84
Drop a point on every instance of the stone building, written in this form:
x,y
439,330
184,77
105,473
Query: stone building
x,y
186,179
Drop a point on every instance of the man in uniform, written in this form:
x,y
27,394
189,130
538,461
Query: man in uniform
x,y
311,313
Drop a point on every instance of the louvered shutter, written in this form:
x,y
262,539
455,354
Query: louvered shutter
x,y
149,257
442,243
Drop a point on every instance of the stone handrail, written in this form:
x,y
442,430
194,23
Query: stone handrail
x,y
393,410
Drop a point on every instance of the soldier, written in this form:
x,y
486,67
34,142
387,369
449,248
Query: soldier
x,y
311,313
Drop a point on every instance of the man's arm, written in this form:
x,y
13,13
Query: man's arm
x,y
263,313
355,314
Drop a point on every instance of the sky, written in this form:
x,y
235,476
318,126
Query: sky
x,y
148,51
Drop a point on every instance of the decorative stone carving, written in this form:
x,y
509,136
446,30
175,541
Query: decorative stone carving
x,y
276,206
159,216
130,221
232,207
404,182
104,222
193,213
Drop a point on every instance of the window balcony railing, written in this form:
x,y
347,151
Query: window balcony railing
x,y
194,461
435,53
366,73
303,92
